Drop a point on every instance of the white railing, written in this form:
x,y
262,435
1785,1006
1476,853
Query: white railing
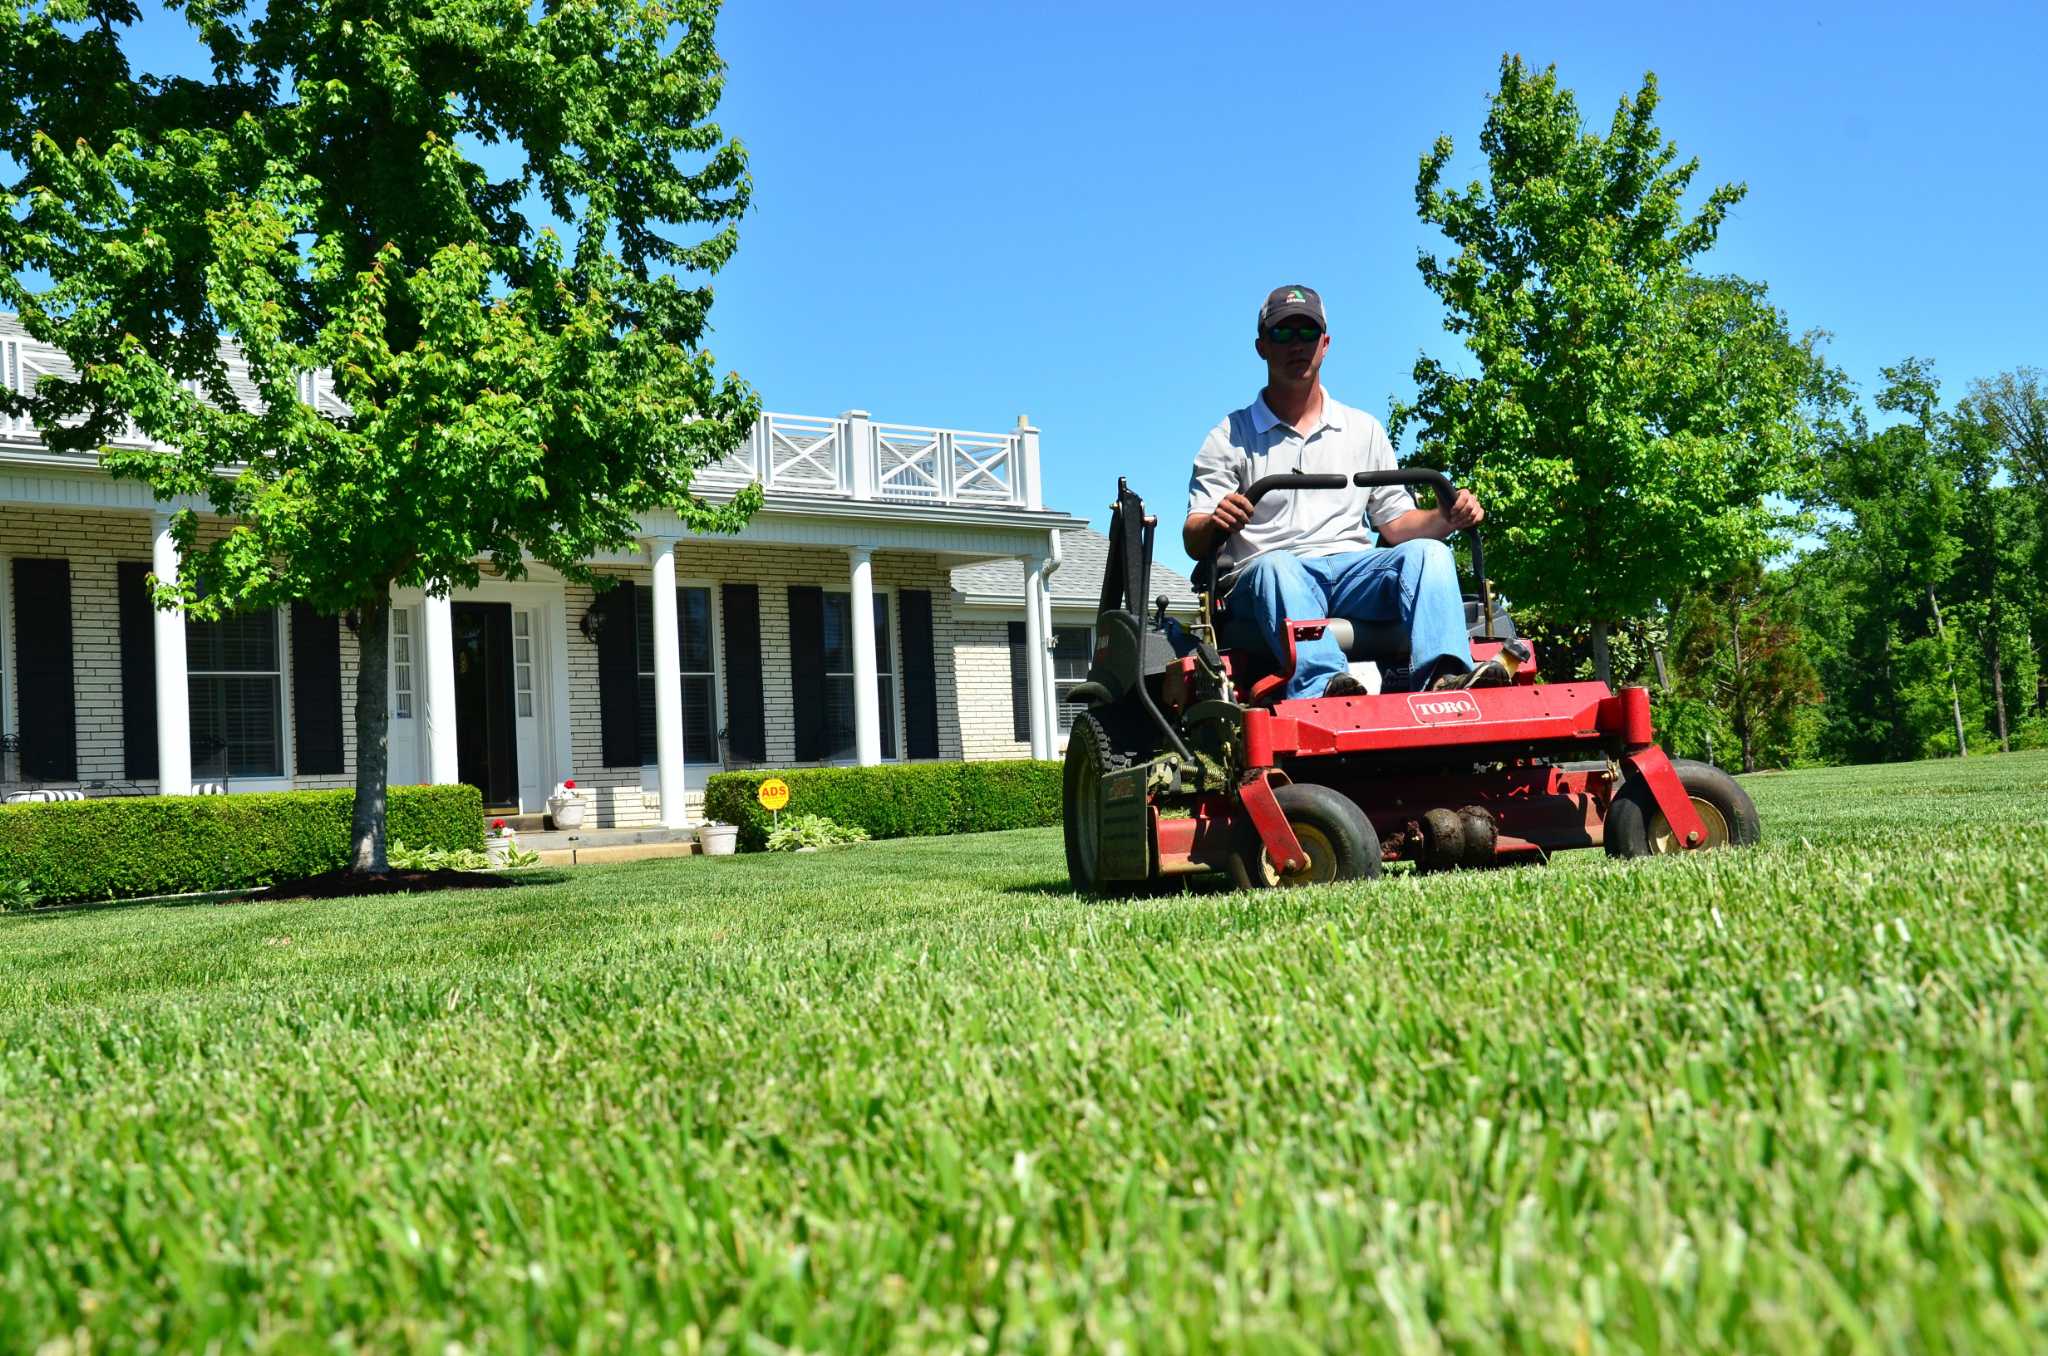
x,y
850,457
854,457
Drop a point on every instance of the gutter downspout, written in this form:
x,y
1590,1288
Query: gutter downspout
x,y
1046,571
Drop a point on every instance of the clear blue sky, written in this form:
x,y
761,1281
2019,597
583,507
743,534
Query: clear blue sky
x,y
964,213
968,212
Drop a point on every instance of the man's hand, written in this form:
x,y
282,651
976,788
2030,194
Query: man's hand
x,y
1203,533
1464,512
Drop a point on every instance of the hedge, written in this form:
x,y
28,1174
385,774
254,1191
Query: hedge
x,y
125,847
899,800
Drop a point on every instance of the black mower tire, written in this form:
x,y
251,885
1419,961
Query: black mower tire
x,y
1089,756
1339,839
1635,827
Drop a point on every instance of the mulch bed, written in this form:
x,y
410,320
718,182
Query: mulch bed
x,y
347,885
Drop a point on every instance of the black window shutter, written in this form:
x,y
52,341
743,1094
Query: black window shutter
x,y
920,674
618,675
316,692
807,670
746,717
138,671
1020,692
42,648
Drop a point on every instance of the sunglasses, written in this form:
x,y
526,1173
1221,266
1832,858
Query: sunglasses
x,y
1294,334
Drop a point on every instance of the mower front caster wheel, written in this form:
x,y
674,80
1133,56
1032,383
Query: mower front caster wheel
x,y
1332,830
1637,828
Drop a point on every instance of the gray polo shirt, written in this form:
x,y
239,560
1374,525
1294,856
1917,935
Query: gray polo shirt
x,y
1252,442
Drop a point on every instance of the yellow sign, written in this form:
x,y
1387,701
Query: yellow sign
x,y
774,794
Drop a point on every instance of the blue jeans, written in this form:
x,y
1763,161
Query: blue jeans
x,y
1415,582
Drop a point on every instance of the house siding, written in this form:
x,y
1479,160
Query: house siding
x,y
970,655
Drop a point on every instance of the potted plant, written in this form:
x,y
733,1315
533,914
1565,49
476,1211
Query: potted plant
x,y
499,843
715,839
565,807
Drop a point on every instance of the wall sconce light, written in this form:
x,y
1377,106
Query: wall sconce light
x,y
592,624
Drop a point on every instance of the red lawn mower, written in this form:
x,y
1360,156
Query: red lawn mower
x,y
1194,762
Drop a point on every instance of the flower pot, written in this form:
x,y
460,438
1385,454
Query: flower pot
x,y
566,811
498,847
718,840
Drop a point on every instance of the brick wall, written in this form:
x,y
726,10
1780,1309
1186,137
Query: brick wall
x,y
617,794
95,544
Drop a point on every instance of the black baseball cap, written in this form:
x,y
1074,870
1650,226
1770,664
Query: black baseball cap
x,y
1292,302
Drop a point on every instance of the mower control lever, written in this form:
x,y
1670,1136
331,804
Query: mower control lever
x,y
1440,483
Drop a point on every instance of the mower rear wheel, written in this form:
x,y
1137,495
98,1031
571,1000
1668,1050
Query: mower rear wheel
x,y
1637,828
1332,830
1089,757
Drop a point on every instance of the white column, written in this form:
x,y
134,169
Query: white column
x,y
173,693
1035,655
437,645
860,438
867,715
668,684
1027,471
1045,673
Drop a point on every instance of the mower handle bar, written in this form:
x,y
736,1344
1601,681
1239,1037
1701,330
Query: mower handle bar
x,y
1365,480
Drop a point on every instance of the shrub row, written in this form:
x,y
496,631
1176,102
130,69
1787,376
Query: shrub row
x,y
901,800
124,847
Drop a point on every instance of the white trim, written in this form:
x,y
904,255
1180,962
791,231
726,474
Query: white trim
x,y
8,676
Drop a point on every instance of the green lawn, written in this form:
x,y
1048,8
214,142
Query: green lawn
x,y
915,1096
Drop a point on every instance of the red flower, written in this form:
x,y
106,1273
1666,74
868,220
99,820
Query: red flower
x,y
497,823
569,785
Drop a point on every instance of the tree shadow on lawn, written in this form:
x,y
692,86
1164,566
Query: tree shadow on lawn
x,y
311,887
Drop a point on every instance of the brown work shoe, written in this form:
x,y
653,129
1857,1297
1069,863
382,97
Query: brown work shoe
x,y
1344,685
1492,673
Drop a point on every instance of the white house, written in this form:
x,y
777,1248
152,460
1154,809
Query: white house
x,y
994,646
829,631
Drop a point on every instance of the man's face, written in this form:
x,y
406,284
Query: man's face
x,y
1293,349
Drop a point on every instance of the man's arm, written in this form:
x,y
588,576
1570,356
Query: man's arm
x,y
1439,523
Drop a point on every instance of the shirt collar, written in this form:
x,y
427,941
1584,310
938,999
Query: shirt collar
x,y
1264,420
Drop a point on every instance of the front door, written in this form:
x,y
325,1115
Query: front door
x,y
486,743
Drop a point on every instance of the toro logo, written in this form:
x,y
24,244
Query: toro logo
x,y
1442,708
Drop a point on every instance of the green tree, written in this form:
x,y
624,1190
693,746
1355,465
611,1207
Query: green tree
x,y
1893,518
1629,417
2014,407
318,204
1739,647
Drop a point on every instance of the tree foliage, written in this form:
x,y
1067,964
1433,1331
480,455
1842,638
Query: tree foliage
x,y
360,190
1628,416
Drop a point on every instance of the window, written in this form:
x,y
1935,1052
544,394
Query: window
x,y
839,732
522,661
700,675
1073,650
237,696
401,663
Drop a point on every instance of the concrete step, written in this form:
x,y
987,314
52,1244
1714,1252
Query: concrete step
x,y
520,823
617,852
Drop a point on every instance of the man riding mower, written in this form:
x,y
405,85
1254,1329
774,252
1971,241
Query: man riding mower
x,y
1203,761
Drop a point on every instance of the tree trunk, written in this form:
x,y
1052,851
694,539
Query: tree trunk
x,y
1739,705
1998,695
1955,695
1603,666
373,728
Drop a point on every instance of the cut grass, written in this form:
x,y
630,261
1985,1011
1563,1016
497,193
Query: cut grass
x,y
913,1095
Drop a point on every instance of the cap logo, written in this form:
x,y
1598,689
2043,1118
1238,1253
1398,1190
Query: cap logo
x,y
1296,295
